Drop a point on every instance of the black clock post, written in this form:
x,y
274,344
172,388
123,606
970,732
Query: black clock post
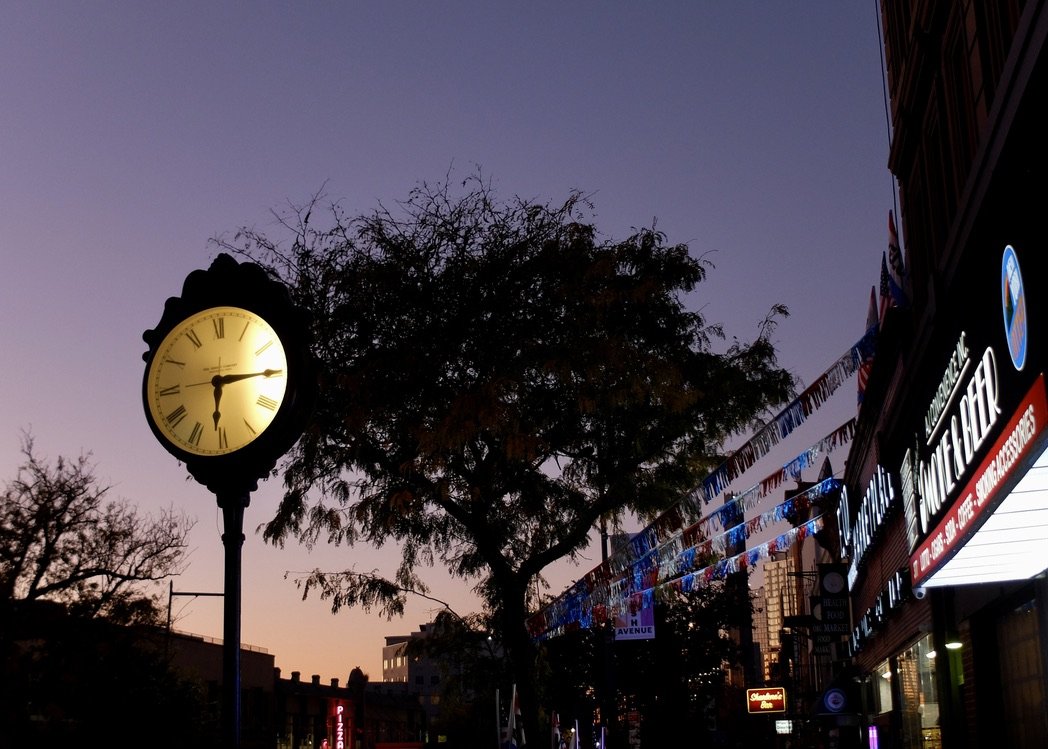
x,y
233,504
229,384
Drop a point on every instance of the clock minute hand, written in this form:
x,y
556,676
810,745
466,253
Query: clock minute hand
x,y
228,378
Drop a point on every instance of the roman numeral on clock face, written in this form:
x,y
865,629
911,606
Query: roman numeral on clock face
x,y
175,417
267,403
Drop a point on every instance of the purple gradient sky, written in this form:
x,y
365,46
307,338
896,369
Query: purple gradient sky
x,y
132,132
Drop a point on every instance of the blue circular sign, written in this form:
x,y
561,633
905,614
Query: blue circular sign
x,y
835,700
1013,305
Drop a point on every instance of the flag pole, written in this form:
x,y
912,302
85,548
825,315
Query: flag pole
x,y
498,721
512,720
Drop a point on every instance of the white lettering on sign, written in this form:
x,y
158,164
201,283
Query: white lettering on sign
x,y
1003,461
876,502
873,618
962,434
944,393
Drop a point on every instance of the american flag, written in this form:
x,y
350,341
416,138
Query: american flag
x,y
896,266
886,297
516,726
867,362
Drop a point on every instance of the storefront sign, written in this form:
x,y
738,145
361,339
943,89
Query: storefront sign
x,y
766,700
954,436
1013,307
1013,446
977,435
858,536
340,727
871,620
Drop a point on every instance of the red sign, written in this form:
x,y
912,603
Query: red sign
x,y
1010,449
340,726
766,700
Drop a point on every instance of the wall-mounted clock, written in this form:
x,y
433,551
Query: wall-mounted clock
x,y
833,582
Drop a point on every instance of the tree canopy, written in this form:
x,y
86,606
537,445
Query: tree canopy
x,y
496,378
63,540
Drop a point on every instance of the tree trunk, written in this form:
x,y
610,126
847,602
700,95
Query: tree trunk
x,y
522,653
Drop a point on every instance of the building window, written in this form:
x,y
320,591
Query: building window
x,y
882,688
918,696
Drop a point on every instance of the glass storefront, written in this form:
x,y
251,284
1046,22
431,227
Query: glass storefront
x,y
909,678
1025,722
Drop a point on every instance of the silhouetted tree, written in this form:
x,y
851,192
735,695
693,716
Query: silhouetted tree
x,y
686,660
80,653
63,540
495,379
471,667
674,681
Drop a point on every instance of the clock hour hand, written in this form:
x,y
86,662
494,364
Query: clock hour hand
x,y
228,378
218,396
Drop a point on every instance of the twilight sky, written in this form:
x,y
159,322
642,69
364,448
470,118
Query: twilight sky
x,y
132,133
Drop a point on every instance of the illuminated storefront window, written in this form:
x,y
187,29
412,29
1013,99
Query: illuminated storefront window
x,y
918,696
882,688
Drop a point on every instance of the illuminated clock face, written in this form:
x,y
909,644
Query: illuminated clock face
x,y
216,381
833,582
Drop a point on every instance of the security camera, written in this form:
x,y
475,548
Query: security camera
x,y
919,593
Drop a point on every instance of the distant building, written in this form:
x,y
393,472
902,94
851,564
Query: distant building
x,y
279,713
200,658
420,673
761,639
371,715
780,601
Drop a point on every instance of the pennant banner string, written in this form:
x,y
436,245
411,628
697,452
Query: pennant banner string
x,y
789,418
631,566
660,531
641,558
647,572
583,610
